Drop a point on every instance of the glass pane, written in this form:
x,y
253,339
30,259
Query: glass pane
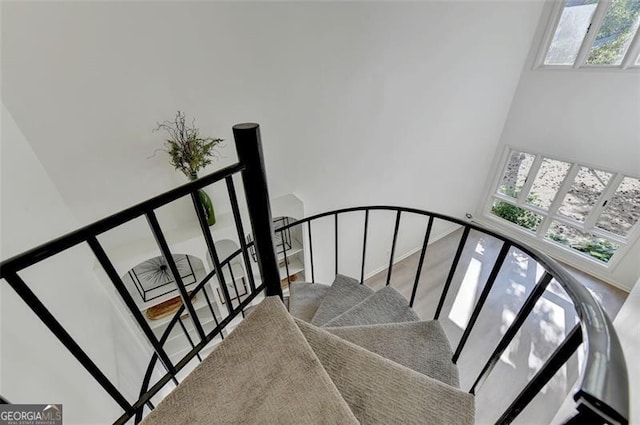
x,y
585,243
572,27
584,193
520,216
623,209
615,34
550,176
515,173
638,61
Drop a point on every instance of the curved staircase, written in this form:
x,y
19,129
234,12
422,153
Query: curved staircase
x,y
344,354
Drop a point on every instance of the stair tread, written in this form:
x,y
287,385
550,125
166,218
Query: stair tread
x,y
380,391
263,372
344,293
305,298
420,346
385,306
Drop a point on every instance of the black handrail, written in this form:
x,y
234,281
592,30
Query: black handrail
x,y
251,166
48,249
604,385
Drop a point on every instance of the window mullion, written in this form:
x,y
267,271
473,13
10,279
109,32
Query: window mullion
x,y
606,195
557,201
564,188
594,26
533,172
632,52
543,227
556,14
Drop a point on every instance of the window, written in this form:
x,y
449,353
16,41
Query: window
x,y
580,209
593,33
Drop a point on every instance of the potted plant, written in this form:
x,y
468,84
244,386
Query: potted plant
x,y
189,153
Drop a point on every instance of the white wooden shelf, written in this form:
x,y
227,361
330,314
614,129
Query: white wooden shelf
x,y
296,248
295,267
134,245
199,304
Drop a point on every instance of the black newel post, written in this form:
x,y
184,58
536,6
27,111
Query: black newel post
x,y
249,148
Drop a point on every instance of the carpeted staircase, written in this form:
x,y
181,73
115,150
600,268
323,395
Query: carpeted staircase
x,y
343,354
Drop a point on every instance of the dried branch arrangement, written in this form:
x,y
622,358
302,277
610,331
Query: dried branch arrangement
x,y
189,151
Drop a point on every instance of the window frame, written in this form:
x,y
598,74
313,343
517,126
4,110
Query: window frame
x,y
537,237
630,61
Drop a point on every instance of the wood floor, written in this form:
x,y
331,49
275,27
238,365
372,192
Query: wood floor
x,y
551,320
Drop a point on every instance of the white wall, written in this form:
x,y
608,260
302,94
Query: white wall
x,y
583,116
34,366
359,103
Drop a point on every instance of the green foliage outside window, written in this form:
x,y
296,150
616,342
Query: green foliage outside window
x,y
617,29
599,249
514,214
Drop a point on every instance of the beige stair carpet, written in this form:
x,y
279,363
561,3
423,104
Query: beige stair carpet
x,y
385,306
305,298
421,346
383,392
263,373
344,293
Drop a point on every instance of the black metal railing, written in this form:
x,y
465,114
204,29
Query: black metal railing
x,y
251,167
602,394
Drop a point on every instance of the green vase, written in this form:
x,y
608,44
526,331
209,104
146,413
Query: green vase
x,y
206,203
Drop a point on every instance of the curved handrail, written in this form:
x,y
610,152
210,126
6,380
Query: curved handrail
x,y
604,386
55,246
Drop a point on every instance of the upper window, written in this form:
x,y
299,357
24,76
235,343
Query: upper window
x,y
593,33
586,211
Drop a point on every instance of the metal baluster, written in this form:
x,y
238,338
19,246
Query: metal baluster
x,y
241,236
483,297
559,357
211,247
452,271
186,333
286,261
515,326
311,251
393,246
235,285
168,257
63,336
335,220
364,244
421,261
213,313
111,272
